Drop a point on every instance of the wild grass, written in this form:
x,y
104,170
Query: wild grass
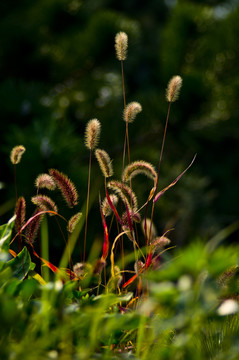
x,y
151,302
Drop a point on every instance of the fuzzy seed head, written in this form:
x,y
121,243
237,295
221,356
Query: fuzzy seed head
x,y
45,181
44,203
33,228
73,222
139,167
125,193
104,162
106,209
131,111
16,154
92,134
173,89
121,45
20,212
159,243
66,186
149,226
135,217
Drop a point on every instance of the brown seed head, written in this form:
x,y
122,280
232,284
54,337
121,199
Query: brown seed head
x,y
121,45
20,212
92,134
66,186
173,89
33,228
16,154
131,111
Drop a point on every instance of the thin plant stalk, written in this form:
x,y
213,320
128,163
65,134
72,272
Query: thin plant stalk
x,y
87,205
45,248
159,166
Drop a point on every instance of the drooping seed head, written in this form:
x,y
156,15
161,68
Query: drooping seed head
x,y
131,111
44,203
45,181
159,243
139,167
66,186
121,45
106,209
20,212
92,134
73,222
16,154
173,89
125,193
33,228
104,162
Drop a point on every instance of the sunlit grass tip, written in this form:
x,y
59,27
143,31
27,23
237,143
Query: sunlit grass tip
x,y
66,186
104,162
16,154
131,111
45,181
44,203
92,134
173,89
121,45
139,167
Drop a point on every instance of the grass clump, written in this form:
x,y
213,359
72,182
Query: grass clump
x,y
147,303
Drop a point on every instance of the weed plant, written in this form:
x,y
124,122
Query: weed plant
x,y
152,302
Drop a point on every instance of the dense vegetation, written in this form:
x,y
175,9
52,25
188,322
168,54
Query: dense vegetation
x,y
131,264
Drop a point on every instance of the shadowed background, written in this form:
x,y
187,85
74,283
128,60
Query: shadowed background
x,y
58,70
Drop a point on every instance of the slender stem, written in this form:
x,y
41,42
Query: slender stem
x,y
122,71
87,205
15,180
124,98
160,161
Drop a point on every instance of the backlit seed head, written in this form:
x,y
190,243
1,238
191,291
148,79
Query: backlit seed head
x,y
66,186
147,223
16,154
44,203
45,181
92,134
104,162
173,89
73,222
159,243
131,111
33,228
106,209
121,45
20,212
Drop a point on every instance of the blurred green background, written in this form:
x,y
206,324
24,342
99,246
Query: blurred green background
x,y
58,70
